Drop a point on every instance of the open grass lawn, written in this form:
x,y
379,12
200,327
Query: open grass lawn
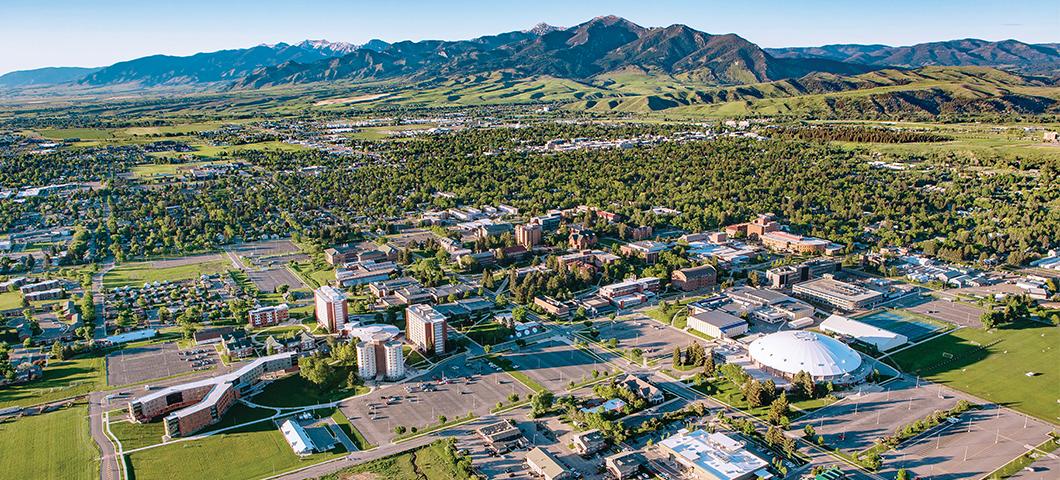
x,y
138,273
350,431
82,133
213,151
148,170
314,275
997,372
432,461
489,333
295,391
10,301
253,451
239,414
55,445
61,380
136,435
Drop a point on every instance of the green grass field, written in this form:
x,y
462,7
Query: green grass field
x,y
489,333
61,380
55,445
10,301
138,273
148,170
250,452
998,372
436,460
295,391
136,435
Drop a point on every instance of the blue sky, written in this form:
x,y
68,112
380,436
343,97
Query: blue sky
x,y
99,32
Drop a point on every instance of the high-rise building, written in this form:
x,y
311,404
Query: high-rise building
x,y
366,367
528,235
395,360
426,328
331,308
377,351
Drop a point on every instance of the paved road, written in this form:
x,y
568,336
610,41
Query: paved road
x,y
109,468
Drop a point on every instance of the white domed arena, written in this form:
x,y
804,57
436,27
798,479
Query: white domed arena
x,y
824,358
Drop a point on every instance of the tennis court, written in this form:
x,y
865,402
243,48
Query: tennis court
x,y
901,323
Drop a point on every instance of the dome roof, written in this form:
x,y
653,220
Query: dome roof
x,y
377,332
792,351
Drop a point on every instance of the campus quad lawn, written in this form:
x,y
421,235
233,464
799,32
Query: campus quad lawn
x,y
489,333
249,452
432,461
61,380
54,445
295,391
139,273
135,435
997,374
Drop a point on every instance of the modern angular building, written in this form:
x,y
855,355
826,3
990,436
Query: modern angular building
x,y
190,407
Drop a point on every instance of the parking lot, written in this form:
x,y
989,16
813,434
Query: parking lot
x,y
953,312
854,423
981,442
555,364
638,331
140,364
269,280
451,394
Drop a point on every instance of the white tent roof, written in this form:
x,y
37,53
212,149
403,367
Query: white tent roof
x,y
883,340
792,351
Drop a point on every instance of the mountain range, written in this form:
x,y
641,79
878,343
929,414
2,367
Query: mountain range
x,y
600,46
1006,54
611,64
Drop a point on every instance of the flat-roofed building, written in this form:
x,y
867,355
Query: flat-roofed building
x,y
841,295
646,250
588,442
716,323
629,287
788,275
552,306
528,235
266,316
426,328
544,463
332,309
502,435
790,242
694,278
624,465
713,456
